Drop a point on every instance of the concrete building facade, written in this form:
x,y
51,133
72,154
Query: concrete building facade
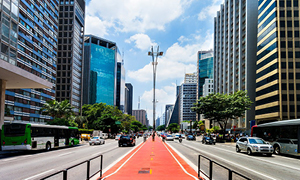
x,y
141,116
28,57
208,87
205,70
70,52
235,31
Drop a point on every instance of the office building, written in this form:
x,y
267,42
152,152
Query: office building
x,y
175,113
235,31
190,78
188,96
28,57
157,122
168,111
120,88
208,87
278,61
205,68
70,52
141,116
100,70
128,98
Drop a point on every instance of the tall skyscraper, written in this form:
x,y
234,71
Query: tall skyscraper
x,y
168,111
235,31
205,66
120,87
278,61
70,52
100,70
28,56
128,98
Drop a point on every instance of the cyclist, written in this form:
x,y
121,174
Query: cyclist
x,y
180,138
163,137
153,136
145,137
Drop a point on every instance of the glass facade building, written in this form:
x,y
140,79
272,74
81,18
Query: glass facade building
x,y
120,96
29,41
100,71
205,69
128,98
278,61
70,52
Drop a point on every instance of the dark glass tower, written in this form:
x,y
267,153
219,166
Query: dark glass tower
x,y
128,98
70,52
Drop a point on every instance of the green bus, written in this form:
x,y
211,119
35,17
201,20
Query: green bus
x,y
29,136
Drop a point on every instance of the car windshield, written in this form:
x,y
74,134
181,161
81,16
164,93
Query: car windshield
x,y
95,138
257,141
125,137
169,136
190,136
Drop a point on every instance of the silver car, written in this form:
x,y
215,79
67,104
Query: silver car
x,y
254,145
96,140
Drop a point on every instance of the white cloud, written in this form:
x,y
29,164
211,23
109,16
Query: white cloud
x,y
165,95
137,15
142,41
176,61
210,11
96,26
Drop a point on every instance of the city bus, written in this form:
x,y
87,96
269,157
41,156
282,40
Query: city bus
x,y
283,135
29,136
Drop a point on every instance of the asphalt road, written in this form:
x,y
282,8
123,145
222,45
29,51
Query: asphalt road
x,y
36,164
253,167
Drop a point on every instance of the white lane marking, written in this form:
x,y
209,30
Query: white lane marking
x,y
9,159
279,164
124,162
65,154
232,163
180,164
39,174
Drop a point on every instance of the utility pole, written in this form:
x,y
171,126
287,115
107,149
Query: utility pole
x,y
154,63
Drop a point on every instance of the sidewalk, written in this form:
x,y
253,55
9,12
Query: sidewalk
x,y
151,160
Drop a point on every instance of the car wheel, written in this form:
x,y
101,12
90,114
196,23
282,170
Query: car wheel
x,y
237,149
249,152
277,150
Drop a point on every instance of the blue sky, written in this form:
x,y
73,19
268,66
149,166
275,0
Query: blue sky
x,y
180,28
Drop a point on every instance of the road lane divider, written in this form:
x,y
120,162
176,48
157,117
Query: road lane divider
x,y
179,163
230,162
264,160
32,177
187,160
65,154
125,161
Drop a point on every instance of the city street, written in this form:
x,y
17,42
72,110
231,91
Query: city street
x,y
254,167
35,164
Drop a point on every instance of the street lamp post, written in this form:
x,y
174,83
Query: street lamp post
x,y
154,63
190,126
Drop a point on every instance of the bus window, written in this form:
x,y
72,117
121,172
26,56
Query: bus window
x,y
11,130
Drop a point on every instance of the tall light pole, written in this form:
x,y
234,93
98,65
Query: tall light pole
x,y
154,63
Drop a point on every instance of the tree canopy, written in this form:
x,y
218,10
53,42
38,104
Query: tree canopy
x,y
222,107
161,127
174,127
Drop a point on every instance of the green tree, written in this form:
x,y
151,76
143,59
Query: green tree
x,y
161,128
58,109
150,127
136,126
222,107
174,127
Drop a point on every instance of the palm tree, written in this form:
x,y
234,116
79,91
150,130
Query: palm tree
x,y
58,109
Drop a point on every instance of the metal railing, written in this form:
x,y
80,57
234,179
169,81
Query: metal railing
x,y
88,176
210,175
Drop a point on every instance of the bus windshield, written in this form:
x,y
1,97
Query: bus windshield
x,y
12,130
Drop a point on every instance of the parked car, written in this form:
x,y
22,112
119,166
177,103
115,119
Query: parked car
x,y
126,140
118,137
286,146
183,136
191,137
208,140
254,145
96,140
169,137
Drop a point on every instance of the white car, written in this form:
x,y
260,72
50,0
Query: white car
x,y
96,140
182,136
169,138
